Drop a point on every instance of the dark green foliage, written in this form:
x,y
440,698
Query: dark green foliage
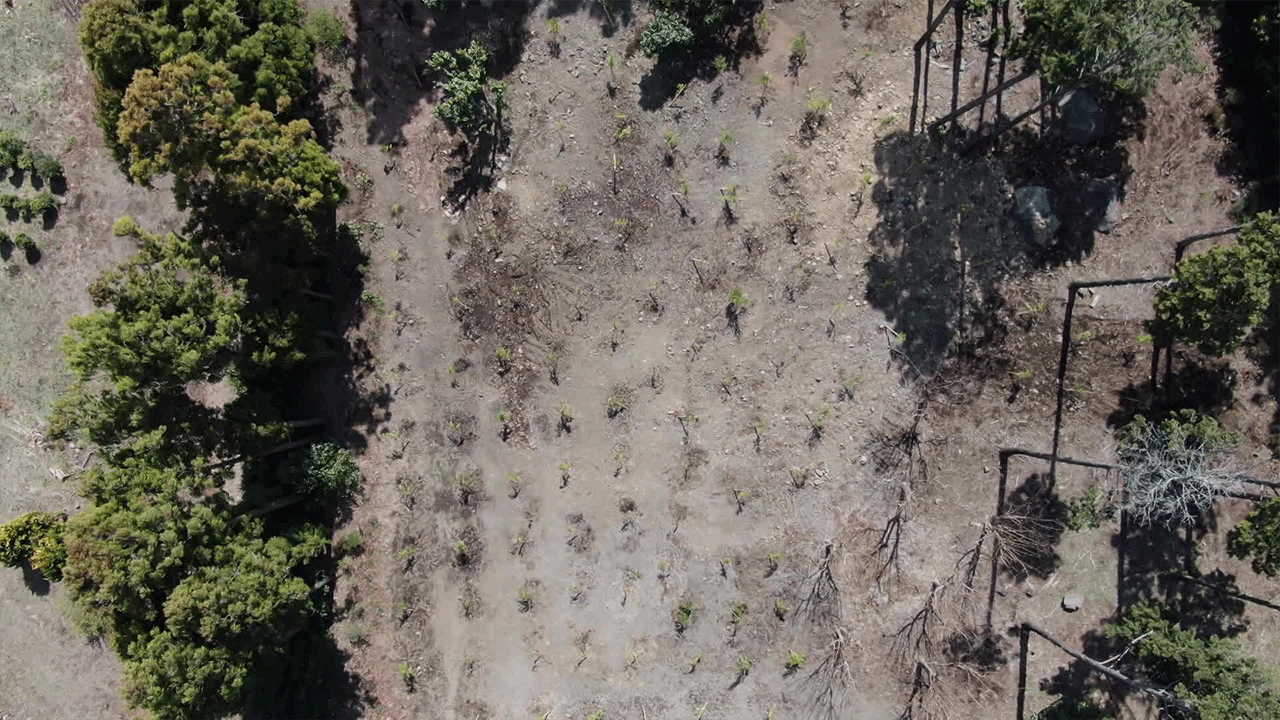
x,y
11,147
185,120
12,206
188,594
472,103
1217,296
28,209
328,472
1257,538
191,591
164,319
682,25
665,33
24,242
14,153
47,167
35,539
1114,46
1213,673
1087,512
262,43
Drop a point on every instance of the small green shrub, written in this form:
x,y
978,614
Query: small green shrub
x,y
327,472
24,242
1086,513
34,538
684,616
795,660
351,544
329,34
46,166
42,204
11,148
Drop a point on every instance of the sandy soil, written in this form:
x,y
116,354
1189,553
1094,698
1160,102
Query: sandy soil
x,y
805,483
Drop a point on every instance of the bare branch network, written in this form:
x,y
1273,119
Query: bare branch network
x,y
1170,479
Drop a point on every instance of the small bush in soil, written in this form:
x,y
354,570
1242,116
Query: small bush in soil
x,y
329,33
350,544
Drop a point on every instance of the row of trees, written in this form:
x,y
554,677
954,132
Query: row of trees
x,y
29,209
192,588
16,154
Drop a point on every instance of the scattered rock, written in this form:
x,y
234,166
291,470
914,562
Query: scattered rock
x,y
501,184
1032,207
1083,119
1072,603
1102,204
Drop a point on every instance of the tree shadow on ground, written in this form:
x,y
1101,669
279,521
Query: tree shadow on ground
x,y
1263,348
942,246
1077,682
1081,178
613,15
1150,564
1199,384
35,581
310,290
674,70
1249,73
393,41
951,228
307,678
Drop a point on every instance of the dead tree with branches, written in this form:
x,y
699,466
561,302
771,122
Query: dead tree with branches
x,y
830,680
821,595
1176,469
915,639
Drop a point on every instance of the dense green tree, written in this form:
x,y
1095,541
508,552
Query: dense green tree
x,y
190,594
262,43
184,119
165,319
118,39
1110,45
667,32
1257,538
472,103
177,679
11,148
1215,297
1213,674
34,538
115,419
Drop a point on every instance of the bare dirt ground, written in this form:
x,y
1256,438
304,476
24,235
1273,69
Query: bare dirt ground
x,y
537,566
522,567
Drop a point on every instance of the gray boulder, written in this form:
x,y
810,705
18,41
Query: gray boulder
x,y
1082,119
1072,603
1102,204
1032,208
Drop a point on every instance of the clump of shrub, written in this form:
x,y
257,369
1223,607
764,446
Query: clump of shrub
x,y
14,153
29,209
35,539
25,243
